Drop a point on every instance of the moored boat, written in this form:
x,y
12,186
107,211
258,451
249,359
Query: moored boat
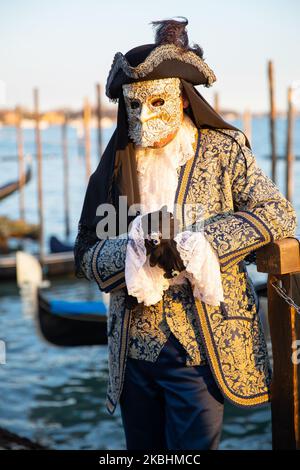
x,y
13,186
69,323
56,264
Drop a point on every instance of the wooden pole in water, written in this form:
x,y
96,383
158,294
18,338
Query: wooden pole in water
x,y
21,164
99,115
289,146
38,145
87,137
272,118
66,174
247,124
217,102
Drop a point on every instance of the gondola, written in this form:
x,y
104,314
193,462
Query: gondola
x,y
55,264
62,322
13,186
67,323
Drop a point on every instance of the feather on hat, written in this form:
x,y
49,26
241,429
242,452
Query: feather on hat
x,y
170,56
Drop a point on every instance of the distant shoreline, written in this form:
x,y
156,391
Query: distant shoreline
x,y
10,117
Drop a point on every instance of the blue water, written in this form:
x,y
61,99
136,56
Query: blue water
x,y
56,395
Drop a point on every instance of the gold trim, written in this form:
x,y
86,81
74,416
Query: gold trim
x,y
238,255
109,406
124,348
255,220
123,356
185,178
241,254
111,280
120,286
216,367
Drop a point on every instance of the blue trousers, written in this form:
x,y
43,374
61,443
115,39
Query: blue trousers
x,y
167,405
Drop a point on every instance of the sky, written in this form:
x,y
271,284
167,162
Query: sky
x,y
64,47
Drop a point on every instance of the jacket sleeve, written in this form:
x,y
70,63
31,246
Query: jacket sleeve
x,y
104,262
261,213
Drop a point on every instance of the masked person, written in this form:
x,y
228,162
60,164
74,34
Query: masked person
x,y
183,325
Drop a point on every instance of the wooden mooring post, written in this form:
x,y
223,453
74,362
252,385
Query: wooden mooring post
x,y
38,146
99,116
289,146
281,260
66,173
217,102
87,137
20,148
272,118
247,123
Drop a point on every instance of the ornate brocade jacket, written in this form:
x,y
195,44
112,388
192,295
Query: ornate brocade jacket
x,y
151,326
243,210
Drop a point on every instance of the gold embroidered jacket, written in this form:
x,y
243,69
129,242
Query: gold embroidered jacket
x,y
243,210
151,326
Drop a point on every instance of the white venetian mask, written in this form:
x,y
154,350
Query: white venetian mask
x,y
154,110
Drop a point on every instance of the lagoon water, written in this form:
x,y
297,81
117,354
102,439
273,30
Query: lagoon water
x,y
56,395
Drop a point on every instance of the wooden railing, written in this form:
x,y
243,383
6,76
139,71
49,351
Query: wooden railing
x,y
281,260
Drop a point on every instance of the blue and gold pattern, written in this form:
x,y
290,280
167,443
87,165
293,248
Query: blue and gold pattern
x,y
243,210
151,326
108,263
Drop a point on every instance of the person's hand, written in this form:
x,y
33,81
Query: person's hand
x,y
167,257
162,226
130,301
161,223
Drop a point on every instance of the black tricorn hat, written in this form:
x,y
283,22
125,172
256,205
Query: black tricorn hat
x,y
170,56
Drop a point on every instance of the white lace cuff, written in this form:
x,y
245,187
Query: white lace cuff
x,y
202,266
144,282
